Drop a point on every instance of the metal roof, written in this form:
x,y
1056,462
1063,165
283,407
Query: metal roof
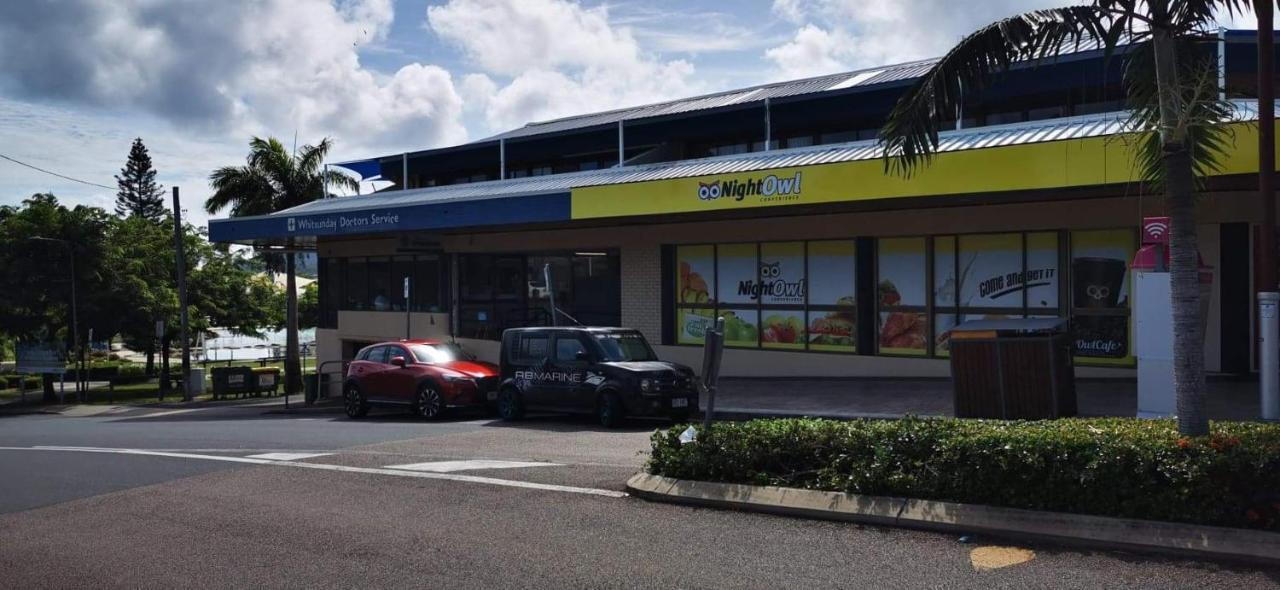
x,y
817,84
949,141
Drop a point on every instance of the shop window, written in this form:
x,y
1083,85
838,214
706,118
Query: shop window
x,y
401,268
991,276
426,295
1100,295
357,285
762,290
380,291
510,290
901,270
333,280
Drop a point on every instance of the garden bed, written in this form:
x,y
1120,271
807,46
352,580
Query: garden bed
x,y
1118,467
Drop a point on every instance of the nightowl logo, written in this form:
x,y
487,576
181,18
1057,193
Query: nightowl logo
x,y
766,187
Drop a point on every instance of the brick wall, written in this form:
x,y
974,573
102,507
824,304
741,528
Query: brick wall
x,y
642,289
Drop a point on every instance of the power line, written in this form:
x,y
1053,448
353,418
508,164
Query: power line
x,y
37,168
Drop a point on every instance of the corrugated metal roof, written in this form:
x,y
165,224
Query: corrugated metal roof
x,y
721,99
949,141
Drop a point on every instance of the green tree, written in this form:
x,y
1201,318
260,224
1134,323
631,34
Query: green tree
x,y
141,257
309,306
273,179
138,193
1173,94
36,240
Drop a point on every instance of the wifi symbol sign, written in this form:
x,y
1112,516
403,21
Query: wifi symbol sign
x,y
1155,230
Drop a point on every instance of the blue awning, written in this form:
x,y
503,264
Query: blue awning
x,y
366,169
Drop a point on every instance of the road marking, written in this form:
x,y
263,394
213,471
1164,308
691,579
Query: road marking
x,y
169,413
995,557
470,465
288,456
327,467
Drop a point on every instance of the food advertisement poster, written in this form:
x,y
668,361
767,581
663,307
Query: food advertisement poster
x,y
902,270
833,281
1042,262
696,271
741,327
990,269
783,329
1100,294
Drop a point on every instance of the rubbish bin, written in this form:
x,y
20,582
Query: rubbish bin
x,y
197,381
231,381
311,386
266,380
1013,369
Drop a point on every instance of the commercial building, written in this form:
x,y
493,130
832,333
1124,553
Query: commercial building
x,y
771,206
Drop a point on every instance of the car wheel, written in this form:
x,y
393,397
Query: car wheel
x,y
353,400
429,404
510,406
609,410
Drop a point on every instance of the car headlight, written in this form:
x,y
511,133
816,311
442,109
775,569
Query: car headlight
x,y
646,385
458,378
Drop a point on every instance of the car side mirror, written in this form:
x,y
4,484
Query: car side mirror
x,y
398,361
583,356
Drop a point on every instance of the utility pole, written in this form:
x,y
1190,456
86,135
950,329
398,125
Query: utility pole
x,y
181,265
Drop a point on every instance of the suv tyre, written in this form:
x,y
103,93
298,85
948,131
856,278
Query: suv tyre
x,y
354,402
609,410
428,403
510,404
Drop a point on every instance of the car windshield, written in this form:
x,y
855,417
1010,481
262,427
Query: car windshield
x,y
444,352
624,346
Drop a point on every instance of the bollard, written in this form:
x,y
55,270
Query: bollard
x,y
1269,354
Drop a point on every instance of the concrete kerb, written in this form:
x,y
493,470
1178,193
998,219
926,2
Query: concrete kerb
x,y
1071,529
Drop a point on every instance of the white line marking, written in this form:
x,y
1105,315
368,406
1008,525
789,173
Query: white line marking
x,y
370,470
288,456
169,413
469,465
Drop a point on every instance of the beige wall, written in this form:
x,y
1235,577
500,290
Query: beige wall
x,y
639,246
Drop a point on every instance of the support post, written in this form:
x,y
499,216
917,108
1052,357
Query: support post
x,y
768,125
1268,299
181,265
404,171
622,150
502,159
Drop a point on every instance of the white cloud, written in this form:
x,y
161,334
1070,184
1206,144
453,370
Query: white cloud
x,y
838,35
554,58
237,67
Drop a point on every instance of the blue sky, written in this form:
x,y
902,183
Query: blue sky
x,y
197,78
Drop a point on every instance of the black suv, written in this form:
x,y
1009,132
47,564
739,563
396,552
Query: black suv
x,y
611,372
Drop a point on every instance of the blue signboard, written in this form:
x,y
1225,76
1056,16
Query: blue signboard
x,y
426,216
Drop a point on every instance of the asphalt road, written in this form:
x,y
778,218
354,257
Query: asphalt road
x,y
210,502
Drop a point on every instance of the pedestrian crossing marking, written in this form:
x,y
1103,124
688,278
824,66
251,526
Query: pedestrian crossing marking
x,y
288,456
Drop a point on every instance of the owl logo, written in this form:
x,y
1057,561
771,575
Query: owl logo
x,y
709,191
770,270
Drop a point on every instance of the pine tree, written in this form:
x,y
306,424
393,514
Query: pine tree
x,y
139,194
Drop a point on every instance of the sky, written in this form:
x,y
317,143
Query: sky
x,y
196,79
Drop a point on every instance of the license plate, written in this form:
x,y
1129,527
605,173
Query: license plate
x,y
493,396
680,402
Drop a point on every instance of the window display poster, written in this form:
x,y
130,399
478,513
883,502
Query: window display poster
x,y
1042,270
736,272
990,269
901,266
782,329
944,271
741,327
833,331
782,276
696,271
692,325
1099,268
903,332
832,273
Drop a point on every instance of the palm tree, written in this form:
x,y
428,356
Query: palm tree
x,y
273,180
1175,111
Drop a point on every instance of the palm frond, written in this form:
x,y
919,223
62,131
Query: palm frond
x,y
243,188
1200,107
910,136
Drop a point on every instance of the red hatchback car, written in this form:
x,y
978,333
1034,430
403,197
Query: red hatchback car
x,y
426,376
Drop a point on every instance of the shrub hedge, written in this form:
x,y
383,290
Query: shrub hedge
x,y
1121,467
